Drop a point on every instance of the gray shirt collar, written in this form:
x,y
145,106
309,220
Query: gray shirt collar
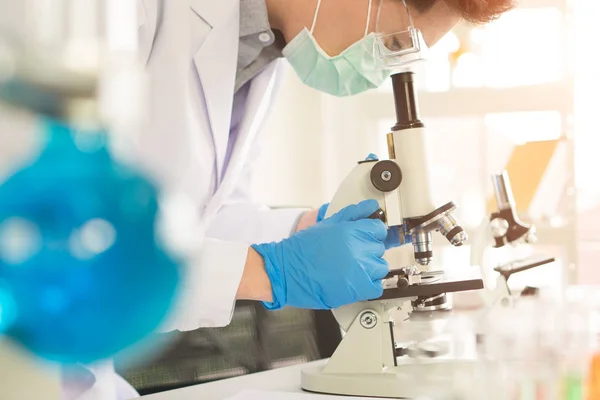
x,y
254,17
258,44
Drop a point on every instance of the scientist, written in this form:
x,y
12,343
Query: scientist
x,y
213,66
213,69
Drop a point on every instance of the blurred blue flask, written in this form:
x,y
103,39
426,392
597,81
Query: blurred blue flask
x,y
82,275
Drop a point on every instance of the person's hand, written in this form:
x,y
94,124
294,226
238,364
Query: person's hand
x,y
311,217
393,236
317,215
335,262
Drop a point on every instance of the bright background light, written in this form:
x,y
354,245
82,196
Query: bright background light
x,y
533,75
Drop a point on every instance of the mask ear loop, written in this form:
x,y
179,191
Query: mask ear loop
x,y
369,17
410,20
314,22
411,27
378,15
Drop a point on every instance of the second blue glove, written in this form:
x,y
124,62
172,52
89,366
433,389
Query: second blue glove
x,y
335,262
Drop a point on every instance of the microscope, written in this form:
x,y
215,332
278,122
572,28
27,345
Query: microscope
x,y
367,362
504,228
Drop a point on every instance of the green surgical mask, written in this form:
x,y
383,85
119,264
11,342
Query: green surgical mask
x,y
355,70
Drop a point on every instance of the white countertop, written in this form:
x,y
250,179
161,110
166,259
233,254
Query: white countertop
x,y
285,379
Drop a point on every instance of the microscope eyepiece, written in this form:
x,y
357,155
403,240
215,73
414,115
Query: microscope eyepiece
x,y
405,101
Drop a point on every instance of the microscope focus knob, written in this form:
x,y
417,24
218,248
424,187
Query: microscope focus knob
x,y
499,227
379,214
386,176
402,283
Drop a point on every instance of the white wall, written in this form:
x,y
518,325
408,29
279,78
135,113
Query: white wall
x,y
311,142
291,156
290,169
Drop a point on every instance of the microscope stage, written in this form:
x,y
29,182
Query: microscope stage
x,y
523,265
455,280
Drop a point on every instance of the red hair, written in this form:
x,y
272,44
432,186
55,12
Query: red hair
x,y
476,11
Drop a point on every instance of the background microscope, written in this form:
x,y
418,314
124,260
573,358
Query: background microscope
x,y
500,229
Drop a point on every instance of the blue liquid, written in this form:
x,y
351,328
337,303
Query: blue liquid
x,y
78,252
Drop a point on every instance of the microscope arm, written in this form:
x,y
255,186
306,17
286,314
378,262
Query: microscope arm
x,y
357,186
368,337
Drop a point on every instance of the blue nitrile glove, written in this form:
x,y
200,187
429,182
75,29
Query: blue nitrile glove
x,y
333,263
393,237
322,212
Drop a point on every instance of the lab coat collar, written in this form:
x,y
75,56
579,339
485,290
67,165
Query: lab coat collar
x,y
257,106
147,15
216,64
214,12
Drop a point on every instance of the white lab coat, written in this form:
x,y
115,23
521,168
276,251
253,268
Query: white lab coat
x,y
190,48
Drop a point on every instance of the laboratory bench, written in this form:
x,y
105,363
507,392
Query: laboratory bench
x,y
286,379
257,340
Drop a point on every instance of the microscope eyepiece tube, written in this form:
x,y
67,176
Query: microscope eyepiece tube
x,y
504,195
405,101
408,146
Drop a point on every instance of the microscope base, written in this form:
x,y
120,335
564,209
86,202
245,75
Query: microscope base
x,y
404,381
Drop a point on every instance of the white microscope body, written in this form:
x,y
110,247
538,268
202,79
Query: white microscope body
x,y
366,361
